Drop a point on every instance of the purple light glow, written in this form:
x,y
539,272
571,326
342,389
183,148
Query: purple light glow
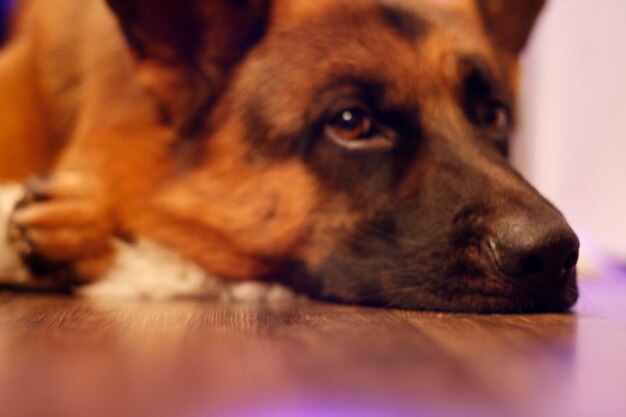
x,y
4,6
340,408
328,411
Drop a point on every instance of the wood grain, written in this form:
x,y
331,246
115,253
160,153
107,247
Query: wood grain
x,y
68,357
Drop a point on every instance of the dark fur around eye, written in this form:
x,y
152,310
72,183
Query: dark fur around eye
x,y
485,102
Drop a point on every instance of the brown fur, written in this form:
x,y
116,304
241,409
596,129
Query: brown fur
x,y
147,138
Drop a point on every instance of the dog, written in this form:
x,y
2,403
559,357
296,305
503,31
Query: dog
x,y
356,151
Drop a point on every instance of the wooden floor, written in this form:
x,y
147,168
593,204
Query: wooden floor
x,y
62,357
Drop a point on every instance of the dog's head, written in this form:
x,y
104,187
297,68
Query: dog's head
x,y
357,148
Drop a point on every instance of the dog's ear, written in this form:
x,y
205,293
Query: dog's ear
x,y
185,49
510,22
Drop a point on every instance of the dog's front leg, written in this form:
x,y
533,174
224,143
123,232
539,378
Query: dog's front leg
x,y
62,228
64,225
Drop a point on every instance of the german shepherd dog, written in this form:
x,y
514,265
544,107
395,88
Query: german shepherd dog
x,y
354,150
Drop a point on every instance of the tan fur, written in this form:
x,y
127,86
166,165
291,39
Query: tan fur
x,y
75,100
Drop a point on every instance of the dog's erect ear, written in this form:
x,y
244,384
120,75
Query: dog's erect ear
x,y
510,22
185,49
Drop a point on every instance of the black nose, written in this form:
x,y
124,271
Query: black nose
x,y
543,249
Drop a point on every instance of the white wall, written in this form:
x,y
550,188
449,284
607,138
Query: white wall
x,y
572,143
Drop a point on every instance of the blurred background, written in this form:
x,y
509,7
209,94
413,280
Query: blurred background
x,y
572,141
572,138
4,5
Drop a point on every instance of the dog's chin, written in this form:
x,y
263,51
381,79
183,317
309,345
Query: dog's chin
x,y
492,293
510,299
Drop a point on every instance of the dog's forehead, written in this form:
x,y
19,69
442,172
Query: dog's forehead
x,y
304,7
452,24
404,39
291,11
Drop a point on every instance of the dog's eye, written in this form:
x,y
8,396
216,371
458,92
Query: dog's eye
x,y
352,124
355,128
496,117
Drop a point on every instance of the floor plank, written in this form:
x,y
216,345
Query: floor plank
x,y
68,357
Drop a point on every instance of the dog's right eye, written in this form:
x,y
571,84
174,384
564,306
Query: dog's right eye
x,y
355,128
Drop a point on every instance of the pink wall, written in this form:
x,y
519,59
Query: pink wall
x,y
572,142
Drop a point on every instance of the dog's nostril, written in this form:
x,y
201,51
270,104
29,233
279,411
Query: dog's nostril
x,y
532,265
571,261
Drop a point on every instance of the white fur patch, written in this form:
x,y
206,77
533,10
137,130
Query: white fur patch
x,y
142,270
147,270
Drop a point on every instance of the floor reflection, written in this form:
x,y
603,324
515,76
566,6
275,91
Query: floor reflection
x,y
189,358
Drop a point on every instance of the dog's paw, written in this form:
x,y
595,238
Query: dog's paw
x,y
61,229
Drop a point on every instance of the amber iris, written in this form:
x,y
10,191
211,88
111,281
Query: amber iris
x,y
352,124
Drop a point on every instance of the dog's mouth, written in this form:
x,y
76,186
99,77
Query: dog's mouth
x,y
541,281
483,290
504,295
490,294
521,263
